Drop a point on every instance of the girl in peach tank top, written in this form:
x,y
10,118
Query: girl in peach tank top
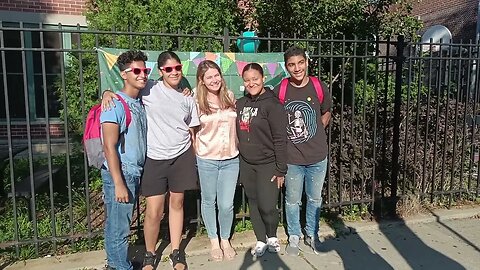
x,y
215,144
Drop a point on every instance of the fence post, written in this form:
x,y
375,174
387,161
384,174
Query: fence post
x,y
396,119
226,40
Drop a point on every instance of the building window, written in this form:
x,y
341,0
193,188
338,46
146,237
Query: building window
x,y
35,79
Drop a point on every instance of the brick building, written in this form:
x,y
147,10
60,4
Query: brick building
x,y
459,16
46,7
33,14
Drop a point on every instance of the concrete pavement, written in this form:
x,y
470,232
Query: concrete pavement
x,y
442,239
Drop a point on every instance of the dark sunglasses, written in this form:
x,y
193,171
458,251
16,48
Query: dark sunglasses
x,y
137,71
169,69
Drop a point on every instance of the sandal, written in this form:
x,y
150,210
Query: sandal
x,y
216,255
229,253
149,260
177,260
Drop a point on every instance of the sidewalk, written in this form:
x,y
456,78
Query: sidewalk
x,y
444,239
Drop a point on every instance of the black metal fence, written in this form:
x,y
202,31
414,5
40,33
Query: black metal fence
x,y
404,123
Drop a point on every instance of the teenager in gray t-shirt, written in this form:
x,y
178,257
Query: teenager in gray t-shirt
x,y
170,114
170,164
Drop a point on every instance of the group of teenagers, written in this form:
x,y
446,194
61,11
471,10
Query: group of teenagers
x,y
170,139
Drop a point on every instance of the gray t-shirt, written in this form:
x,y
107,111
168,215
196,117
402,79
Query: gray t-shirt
x,y
170,114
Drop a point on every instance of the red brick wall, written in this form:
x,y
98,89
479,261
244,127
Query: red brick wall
x,y
459,16
38,131
67,7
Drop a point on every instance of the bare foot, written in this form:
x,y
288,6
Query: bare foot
x,y
228,252
216,252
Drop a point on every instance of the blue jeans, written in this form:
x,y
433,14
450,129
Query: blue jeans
x,y
313,177
218,180
119,217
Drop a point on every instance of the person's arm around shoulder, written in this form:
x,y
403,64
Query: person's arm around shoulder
x,y
326,106
108,96
194,130
107,100
110,135
277,120
194,121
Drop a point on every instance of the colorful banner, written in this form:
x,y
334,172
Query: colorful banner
x,y
231,65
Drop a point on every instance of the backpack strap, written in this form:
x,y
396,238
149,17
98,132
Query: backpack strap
x,y
128,114
283,90
318,88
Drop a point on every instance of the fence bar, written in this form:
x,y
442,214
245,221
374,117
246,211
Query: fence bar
x,y
342,102
67,138
86,178
49,151
449,69
364,121
454,145
407,122
10,143
29,137
396,116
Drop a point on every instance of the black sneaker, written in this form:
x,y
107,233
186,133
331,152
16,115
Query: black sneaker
x,y
177,257
149,259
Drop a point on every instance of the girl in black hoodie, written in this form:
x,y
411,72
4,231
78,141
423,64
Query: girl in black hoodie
x,y
262,140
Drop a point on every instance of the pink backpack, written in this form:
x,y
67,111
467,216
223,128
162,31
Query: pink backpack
x,y
316,83
92,135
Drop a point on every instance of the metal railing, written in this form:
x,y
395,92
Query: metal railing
x,y
404,124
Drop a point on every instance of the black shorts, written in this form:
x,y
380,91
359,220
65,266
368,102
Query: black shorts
x,y
176,175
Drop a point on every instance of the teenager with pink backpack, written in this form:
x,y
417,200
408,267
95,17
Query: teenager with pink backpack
x,y
115,140
307,103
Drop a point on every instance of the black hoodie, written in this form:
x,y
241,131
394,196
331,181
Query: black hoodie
x,y
261,130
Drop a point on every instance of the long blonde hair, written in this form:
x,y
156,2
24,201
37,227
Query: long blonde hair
x,y
202,91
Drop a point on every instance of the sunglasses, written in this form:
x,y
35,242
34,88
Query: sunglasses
x,y
137,71
169,69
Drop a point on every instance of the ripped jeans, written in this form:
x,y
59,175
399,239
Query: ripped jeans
x,y
312,177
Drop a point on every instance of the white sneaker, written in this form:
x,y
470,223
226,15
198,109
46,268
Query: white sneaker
x,y
292,247
273,245
259,249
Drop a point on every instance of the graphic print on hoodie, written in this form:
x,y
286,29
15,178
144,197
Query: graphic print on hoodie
x,y
261,130
246,116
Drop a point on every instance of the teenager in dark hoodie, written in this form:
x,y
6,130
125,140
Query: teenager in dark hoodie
x,y
262,140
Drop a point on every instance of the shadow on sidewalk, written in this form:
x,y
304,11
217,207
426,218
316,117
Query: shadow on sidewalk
x,y
269,261
414,251
356,253
473,245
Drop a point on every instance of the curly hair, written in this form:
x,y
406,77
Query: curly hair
x,y
126,58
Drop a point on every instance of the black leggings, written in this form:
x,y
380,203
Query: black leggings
x,y
262,198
